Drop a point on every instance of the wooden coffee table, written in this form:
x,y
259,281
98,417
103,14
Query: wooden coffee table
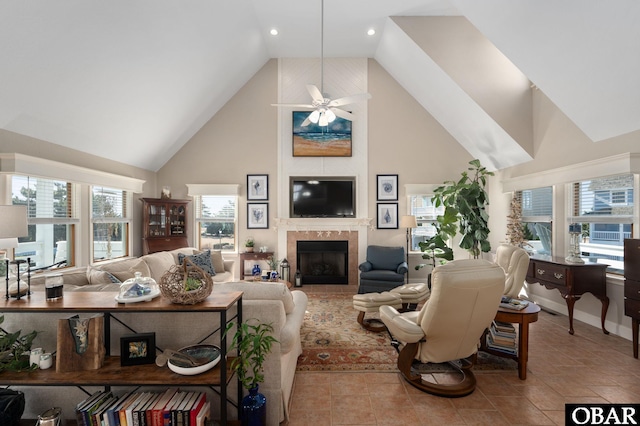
x,y
523,318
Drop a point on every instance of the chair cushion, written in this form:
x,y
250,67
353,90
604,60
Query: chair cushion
x,y
382,275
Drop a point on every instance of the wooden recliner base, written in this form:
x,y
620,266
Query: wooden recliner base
x,y
464,387
371,324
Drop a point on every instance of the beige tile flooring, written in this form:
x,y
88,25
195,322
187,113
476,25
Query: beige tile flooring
x,y
588,367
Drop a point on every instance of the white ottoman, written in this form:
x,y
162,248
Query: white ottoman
x,y
371,302
412,294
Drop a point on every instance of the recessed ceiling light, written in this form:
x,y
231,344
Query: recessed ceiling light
x,y
273,32
371,32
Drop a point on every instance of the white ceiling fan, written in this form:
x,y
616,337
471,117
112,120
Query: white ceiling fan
x,y
325,110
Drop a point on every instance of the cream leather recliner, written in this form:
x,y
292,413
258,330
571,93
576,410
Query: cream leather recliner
x,y
515,262
465,295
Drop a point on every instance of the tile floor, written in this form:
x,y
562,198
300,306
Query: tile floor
x,y
588,367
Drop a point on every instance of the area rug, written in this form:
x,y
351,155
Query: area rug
x,y
332,340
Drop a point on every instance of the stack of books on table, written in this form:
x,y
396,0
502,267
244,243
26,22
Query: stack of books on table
x,y
172,407
511,303
502,337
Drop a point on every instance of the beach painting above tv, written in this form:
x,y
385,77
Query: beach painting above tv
x,y
313,140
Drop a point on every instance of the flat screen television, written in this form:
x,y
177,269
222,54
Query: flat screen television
x,y
323,197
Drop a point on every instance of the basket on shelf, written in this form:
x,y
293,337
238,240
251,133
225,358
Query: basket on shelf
x,y
175,284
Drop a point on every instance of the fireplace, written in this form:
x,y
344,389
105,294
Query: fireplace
x,y
323,262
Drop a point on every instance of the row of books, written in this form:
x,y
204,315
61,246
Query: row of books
x,y
502,337
172,407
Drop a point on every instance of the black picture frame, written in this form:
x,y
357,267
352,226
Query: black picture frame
x,y
387,216
387,187
257,215
138,349
258,187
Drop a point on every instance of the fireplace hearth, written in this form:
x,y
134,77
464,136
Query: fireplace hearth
x,y
323,262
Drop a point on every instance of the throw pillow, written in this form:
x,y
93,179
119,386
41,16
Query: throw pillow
x,y
201,260
217,261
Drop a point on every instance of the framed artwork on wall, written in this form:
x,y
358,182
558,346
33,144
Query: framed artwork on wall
x,y
137,349
387,216
257,215
313,140
387,187
257,187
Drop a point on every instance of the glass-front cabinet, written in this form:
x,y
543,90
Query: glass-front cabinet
x,y
164,224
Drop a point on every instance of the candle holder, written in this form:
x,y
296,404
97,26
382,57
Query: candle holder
x,y
574,244
18,263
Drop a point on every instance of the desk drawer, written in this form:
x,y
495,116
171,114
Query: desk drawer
x,y
632,289
550,273
632,308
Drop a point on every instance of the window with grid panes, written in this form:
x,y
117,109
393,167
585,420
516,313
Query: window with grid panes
x,y
52,217
604,207
216,217
110,222
537,211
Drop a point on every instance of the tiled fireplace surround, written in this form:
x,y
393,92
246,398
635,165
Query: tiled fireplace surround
x,y
352,237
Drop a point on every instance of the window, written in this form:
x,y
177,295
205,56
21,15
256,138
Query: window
x,y
537,210
216,221
109,222
423,209
51,220
604,206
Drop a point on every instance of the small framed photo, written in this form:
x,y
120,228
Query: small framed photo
x,y
257,187
257,215
137,349
387,215
387,187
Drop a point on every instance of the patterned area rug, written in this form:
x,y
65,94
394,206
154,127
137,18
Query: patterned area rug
x,y
332,340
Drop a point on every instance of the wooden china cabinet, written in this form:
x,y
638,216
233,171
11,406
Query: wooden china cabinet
x,y
164,224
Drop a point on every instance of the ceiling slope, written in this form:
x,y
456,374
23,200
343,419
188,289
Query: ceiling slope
x,y
128,81
583,54
446,101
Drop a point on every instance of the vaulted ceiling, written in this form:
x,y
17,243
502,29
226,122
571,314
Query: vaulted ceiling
x,y
132,81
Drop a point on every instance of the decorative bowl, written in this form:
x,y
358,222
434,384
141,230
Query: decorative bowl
x,y
210,353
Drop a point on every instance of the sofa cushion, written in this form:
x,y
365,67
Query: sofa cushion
x,y
126,268
159,263
98,276
201,260
261,290
217,261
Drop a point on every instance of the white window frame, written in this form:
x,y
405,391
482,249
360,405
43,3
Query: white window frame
x,y
197,191
126,220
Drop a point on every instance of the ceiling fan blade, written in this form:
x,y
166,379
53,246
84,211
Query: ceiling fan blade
x,y
342,114
315,93
306,122
293,105
350,99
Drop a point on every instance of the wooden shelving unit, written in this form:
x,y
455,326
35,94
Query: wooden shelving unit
x,y
164,224
112,373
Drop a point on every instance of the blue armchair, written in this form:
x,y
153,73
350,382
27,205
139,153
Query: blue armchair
x,y
383,270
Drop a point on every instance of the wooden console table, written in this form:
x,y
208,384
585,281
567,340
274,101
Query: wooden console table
x,y
523,318
253,256
572,280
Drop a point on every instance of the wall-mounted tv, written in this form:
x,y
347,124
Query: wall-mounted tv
x,y
323,196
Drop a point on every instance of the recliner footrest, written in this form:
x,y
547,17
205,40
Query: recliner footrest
x,y
371,302
412,293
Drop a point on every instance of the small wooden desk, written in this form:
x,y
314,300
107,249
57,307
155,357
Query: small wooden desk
x,y
572,280
523,318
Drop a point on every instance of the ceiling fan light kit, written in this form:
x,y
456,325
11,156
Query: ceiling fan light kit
x,y
325,110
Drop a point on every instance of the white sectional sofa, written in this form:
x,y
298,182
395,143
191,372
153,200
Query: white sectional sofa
x,y
268,302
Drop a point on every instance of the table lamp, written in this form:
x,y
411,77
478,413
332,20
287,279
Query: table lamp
x,y
408,222
13,224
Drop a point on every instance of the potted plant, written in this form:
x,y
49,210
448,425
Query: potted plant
x,y
248,244
12,349
253,343
273,263
467,199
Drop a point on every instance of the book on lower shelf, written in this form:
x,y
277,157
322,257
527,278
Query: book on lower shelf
x,y
508,349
